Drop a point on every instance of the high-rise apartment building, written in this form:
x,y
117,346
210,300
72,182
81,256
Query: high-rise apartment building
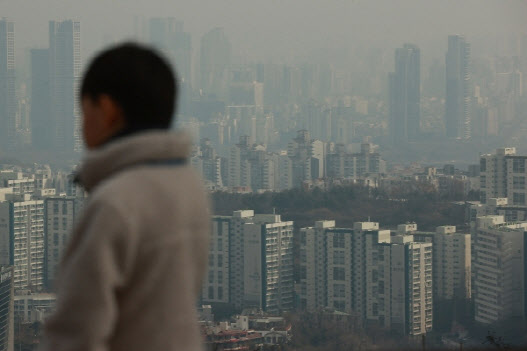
x,y
211,167
251,167
215,61
268,264
499,269
8,102
250,262
458,89
7,320
41,121
60,214
65,71
405,95
350,165
452,263
216,286
503,175
22,240
307,157
385,280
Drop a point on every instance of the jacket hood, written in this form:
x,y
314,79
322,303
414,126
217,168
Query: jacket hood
x,y
129,151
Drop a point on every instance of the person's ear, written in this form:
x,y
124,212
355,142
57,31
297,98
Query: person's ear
x,y
113,117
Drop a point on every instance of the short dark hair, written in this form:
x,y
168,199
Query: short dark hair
x,y
139,79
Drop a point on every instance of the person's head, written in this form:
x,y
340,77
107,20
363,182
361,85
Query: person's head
x,y
127,87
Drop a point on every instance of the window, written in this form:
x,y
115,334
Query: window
x,y
338,273
518,183
211,293
303,272
339,290
518,165
220,244
338,257
211,260
220,293
518,199
211,277
220,277
220,260
483,165
55,208
338,240
65,208
303,238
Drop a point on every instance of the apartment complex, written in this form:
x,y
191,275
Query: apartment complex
x,y
503,175
7,325
250,262
60,214
452,260
499,269
354,165
22,240
384,279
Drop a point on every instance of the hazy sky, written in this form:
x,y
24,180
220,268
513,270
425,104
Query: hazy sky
x,y
278,28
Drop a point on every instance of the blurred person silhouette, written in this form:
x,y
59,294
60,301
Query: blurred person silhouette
x,y
130,276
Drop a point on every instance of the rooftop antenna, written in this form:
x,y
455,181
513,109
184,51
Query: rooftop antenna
x,y
274,210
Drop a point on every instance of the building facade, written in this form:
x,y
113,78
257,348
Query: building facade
x,y
60,214
385,280
250,262
7,324
268,264
452,261
65,71
405,95
8,101
22,240
499,269
458,89
503,174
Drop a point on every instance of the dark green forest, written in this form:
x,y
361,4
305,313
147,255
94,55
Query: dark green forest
x,y
350,204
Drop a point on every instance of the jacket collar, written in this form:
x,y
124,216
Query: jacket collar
x,y
135,149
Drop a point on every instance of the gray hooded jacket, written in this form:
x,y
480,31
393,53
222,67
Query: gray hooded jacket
x,y
130,277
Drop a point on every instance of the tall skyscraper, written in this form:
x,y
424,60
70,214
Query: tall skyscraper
x,y
42,136
168,34
8,103
65,70
215,61
457,106
405,95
